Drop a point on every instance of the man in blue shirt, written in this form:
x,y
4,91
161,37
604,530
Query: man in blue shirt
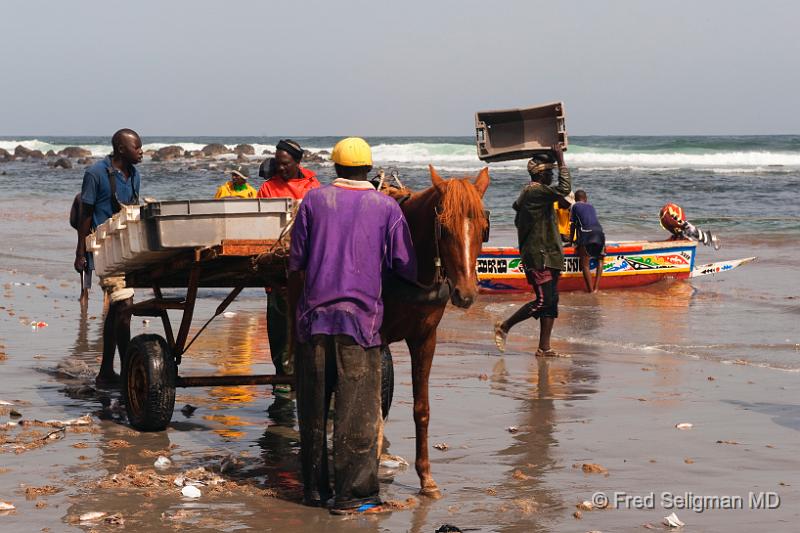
x,y
100,200
589,238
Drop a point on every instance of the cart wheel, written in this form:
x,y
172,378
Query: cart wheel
x,y
148,383
387,380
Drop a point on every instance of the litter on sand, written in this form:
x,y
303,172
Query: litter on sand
x,y
228,314
512,429
585,505
187,410
5,506
441,446
162,462
190,491
92,516
684,425
673,521
393,461
593,468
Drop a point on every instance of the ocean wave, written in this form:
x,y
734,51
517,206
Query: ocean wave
x,y
463,157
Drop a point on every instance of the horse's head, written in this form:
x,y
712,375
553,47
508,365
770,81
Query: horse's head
x,y
463,224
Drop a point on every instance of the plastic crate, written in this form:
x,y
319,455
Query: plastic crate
x,y
193,223
509,134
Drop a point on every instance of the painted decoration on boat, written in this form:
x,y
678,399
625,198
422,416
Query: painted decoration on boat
x,y
626,264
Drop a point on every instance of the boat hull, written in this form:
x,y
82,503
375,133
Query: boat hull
x,y
627,264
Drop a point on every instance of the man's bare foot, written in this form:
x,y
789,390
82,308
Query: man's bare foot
x,y
500,336
109,380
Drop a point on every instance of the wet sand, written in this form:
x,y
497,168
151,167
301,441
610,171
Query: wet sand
x,y
518,430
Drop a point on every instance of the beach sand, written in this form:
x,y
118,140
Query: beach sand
x,y
518,430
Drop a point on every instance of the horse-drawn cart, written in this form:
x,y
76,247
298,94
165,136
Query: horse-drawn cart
x,y
192,244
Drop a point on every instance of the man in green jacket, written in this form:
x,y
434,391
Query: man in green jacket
x,y
539,247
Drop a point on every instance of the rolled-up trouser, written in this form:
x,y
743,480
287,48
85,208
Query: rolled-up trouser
x,y
336,364
114,286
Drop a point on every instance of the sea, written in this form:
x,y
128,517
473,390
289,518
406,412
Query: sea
x,y
742,188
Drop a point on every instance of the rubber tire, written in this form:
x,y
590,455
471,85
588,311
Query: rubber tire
x,y
148,383
387,380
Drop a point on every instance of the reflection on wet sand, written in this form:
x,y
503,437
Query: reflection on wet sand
x,y
549,384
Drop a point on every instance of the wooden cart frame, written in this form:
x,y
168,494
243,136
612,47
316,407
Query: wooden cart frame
x,y
150,367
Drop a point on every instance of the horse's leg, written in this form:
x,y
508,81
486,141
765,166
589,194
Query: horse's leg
x,y
421,358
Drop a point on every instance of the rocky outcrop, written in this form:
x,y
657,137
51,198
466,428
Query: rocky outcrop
x,y
35,154
267,151
5,155
314,157
244,149
62,162
75,152
50,153
193,154
85,161
167,153
21,151
215,149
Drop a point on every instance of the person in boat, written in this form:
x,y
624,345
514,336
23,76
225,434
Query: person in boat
x,y
540,247
237,187
345,237
101,198
562,209
284,178
589,238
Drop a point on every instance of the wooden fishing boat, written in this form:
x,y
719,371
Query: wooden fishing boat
x,y
627,264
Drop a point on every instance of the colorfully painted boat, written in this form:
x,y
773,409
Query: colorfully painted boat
x,y
627,264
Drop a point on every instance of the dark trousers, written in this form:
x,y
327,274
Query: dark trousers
x,y
335,364
278,331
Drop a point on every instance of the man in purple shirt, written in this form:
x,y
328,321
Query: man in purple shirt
x,y
346,237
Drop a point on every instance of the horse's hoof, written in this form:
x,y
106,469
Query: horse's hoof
x,y
431,492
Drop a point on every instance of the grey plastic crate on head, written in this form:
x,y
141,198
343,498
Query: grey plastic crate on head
x,y
507,134
193,223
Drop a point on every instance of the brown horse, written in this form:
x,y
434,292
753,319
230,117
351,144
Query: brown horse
x,y
447,223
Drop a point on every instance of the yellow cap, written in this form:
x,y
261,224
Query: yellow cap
x,y
352,152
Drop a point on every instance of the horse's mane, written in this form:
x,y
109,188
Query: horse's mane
x,y
461,201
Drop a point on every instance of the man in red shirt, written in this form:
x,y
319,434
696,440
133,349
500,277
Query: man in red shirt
x,y
288,180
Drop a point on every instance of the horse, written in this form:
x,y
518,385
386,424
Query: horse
x,y
448,224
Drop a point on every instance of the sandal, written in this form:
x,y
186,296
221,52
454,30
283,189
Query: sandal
x,y
500,336
367,508
550,353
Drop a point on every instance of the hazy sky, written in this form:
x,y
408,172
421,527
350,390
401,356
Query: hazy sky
x,y
407,67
